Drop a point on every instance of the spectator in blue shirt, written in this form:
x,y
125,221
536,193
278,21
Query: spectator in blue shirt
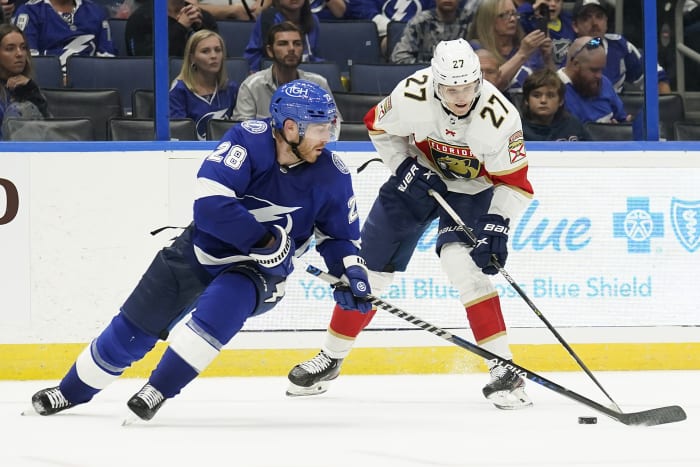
x,y
625,65
294,11
590,96
202,90
64,28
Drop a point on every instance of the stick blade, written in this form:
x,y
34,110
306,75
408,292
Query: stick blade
x,y
660,416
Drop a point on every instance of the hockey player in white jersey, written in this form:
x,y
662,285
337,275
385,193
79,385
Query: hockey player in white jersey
x,y
443,128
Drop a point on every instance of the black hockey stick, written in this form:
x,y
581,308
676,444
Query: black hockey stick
x,y
651,417
472,239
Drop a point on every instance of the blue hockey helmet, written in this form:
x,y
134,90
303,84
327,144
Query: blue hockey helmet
x,y
306,103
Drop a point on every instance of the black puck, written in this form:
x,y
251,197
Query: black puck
x,y
588,420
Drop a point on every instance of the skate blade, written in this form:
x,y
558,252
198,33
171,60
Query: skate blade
x,y
299,391
132,419
510,400
30,411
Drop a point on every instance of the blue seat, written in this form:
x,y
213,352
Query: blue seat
x,y
125,74
349,42
236,68
380,78
328,70
117,27
394,31
47,71
143,129
235,35
99,105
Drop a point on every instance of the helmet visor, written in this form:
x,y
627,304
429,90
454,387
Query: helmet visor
x,y
459,94
322,131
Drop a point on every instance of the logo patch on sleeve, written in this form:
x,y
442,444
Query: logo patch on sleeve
x,y
516,147
254,126
340,165
383,107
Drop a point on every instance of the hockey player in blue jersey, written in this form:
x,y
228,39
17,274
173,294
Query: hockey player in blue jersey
x,y
64,28
262,194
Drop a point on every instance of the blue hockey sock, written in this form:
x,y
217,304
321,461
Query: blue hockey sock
x,y
172,374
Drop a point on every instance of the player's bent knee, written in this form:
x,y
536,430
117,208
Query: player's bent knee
x,y
463,273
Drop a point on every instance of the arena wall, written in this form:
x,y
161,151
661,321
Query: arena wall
x,y
607,250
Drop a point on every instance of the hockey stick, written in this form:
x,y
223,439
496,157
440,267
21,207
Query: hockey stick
x,y
473,240
650,417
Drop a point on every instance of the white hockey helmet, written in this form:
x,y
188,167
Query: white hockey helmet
x,y
454,63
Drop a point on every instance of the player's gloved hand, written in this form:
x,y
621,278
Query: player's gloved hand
x,y
354,297
276,257
415,180
491,233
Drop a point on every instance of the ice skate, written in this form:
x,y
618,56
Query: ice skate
x,y
146,402
313,376
506,390
50,401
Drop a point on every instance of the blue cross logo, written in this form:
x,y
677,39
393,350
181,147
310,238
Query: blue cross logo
x,y
638,225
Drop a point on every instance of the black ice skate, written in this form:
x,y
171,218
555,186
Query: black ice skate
x,y
146,402
50,401
313,376
506,390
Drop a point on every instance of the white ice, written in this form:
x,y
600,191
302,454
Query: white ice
x,y
363,421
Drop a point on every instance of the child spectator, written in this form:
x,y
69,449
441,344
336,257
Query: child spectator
x,y
202,90
544,115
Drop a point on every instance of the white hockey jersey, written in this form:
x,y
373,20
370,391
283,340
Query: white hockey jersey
x,y
485,148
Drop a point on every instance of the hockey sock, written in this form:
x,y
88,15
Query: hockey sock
x,y
488,326
105,359
172,374
344,327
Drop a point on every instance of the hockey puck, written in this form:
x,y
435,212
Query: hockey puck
x,y
588,420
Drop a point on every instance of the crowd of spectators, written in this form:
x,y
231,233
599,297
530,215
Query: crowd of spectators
x,y
515,40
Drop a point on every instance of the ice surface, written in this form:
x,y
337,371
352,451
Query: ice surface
x,y
363,421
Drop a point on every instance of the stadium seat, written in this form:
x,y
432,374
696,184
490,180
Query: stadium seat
x,y
353,106
99,105
217,128
47,71
117,27
686,131
49,129
394,31
143,129
353,131
122,73
610,131
671,109
379,78
142,103
236,68
348,42
235,35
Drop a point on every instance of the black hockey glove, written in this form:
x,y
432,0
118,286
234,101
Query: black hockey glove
x,y
491,239
414,180
275,259
354,296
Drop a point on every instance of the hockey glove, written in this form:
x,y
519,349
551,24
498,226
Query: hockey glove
x,y
415,180
275,259
491,240
354,296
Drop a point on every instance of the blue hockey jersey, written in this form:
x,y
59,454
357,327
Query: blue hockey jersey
x,y
186,104
601,108
85,31
625,63
243,191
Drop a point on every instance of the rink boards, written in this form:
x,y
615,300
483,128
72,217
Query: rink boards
x,y
607,250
